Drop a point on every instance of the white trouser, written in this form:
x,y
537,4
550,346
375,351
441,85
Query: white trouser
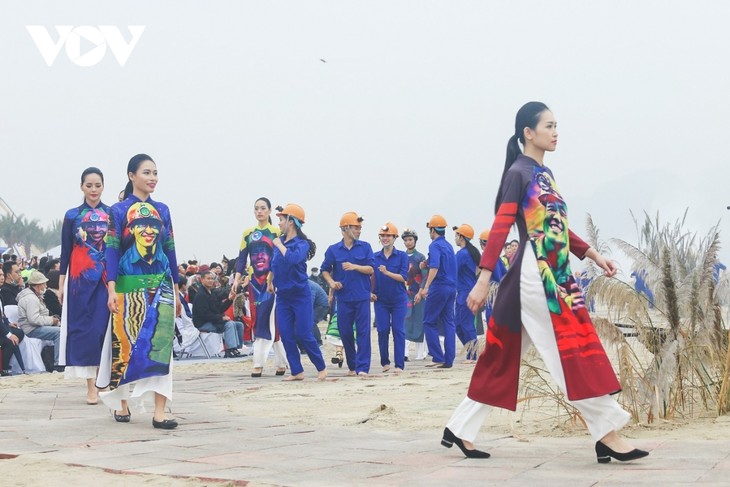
x,y
144,389
601,414
80,372
262,347
420,349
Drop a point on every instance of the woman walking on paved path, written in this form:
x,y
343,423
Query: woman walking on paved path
x,y
539,302
82,284
293,296
143,290
257,246
391,300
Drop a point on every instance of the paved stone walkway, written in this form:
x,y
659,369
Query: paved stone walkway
x,y
48,423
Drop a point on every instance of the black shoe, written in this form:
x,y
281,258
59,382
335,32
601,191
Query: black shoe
x,y
122,418
405,358
59,368
165,424
450,438
604,454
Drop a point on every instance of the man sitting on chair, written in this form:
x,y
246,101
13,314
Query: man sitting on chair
x,y
10,335
33,316
208,316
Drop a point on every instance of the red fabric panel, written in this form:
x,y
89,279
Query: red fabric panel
x,y
503,221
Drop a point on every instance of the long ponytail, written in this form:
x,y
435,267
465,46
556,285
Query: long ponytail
x,y
312,246
473,252
132,167
527,116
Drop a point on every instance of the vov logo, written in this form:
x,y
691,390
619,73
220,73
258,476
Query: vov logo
x,y
99,38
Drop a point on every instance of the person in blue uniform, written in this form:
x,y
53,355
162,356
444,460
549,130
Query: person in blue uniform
x,y
347,267
293,297
467,259
500,270
82,284
439,293
391,299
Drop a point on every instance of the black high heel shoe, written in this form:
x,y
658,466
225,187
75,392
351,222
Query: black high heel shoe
x,y
450,438
604,454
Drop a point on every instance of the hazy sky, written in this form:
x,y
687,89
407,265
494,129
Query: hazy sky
x,y
409,115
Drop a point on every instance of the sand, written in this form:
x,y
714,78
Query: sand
x,y
416,400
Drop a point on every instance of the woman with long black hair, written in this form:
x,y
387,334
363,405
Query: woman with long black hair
x,y
142,287
539,302
82,284
294,312
467,259
258,247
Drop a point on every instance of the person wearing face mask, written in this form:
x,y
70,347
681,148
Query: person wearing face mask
x,y
294,312
10,337
82,284
347,267
33,316
13,283
439,300
390,297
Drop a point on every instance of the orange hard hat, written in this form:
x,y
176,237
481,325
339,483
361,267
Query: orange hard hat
x,y
351,218
436,221
143,213
388,229
465,230
291,209
484,235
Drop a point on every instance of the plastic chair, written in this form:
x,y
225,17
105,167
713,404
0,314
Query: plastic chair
x,y
30,348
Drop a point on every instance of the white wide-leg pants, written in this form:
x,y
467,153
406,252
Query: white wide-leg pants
x,y
262,347
601,414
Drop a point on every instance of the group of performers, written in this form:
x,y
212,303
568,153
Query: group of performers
x,y
123,259
119,262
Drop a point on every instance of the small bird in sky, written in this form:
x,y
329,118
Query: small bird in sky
x,y
322,60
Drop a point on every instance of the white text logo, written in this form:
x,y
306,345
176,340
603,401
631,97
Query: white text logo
x,y
97,37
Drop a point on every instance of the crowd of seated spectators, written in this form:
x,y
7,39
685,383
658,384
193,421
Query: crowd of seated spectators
x,y
32,286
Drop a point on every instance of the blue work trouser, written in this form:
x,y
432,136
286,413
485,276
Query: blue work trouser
x,y
466,329
391,316
232,332
357,312
440,306
294,319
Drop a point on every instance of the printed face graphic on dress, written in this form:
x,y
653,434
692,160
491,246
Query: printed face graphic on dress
x,y
93,228
261,250
144,224
546,215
